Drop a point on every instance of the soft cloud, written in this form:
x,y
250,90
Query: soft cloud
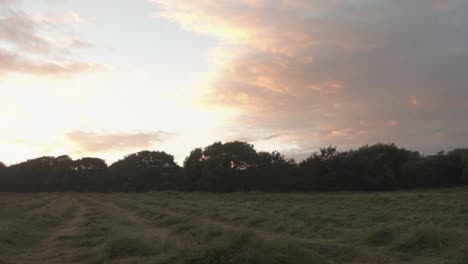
x,y
40,45
439,4
66,18
19,30
257,138
10,62
92,142
392,123
415,101
80,44
313,71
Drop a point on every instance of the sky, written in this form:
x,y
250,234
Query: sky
x,y
107,78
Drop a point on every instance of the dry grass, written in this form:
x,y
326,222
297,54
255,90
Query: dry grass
x,y
170,227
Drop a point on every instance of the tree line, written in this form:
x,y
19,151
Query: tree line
x,y
237,166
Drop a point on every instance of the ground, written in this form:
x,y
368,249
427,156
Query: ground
x,y
426,227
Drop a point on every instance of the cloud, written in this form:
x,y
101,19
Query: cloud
x,y
80,44
65,18
40,45
10,62
257,138
19,30
313,71
93,142
439,4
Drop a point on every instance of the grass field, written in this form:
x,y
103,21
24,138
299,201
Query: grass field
x,y
400,227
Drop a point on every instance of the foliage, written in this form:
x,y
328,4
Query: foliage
x,y
144,171
237,166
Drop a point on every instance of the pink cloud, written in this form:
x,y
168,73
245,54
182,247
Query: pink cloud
x,y
439,4
10,62
392,123
415,101
321,67
108,141
20,30
38,45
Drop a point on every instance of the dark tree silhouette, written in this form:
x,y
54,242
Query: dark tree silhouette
x,y
380,165
235,155
145,170
61,176
91,175
237,166
275,159
218,166
31,175
193,169
3,179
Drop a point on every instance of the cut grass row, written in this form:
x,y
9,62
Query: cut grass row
x,y
32,223
426,233
184,228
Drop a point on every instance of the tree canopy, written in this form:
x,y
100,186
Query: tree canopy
x,y
237,166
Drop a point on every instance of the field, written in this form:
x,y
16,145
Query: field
x,y
199,228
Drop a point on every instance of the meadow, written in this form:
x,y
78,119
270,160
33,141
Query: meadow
x,y
427,226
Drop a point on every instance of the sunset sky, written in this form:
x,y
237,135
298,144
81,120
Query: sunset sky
x,y
106,78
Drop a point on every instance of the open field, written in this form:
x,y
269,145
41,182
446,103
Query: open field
x,y
400,227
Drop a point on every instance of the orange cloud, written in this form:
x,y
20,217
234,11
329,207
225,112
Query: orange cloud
x,y
376,124
346,133
326,87
314,67
256,138
101,142
438,4
392,123
415,101
260,24
20,30
12,63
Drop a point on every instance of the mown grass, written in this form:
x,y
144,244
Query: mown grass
x,y
251,228
25,223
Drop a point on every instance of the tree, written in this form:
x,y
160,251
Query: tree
x,y
455,167
145,170
218,166
30,176
273,172
327,169
237,166
90,175
61,175
465,167
274,159
3,177
236,155
193,169
380,166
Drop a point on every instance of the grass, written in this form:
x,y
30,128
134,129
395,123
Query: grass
x,y
381,236
130,247
251,228
427,240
